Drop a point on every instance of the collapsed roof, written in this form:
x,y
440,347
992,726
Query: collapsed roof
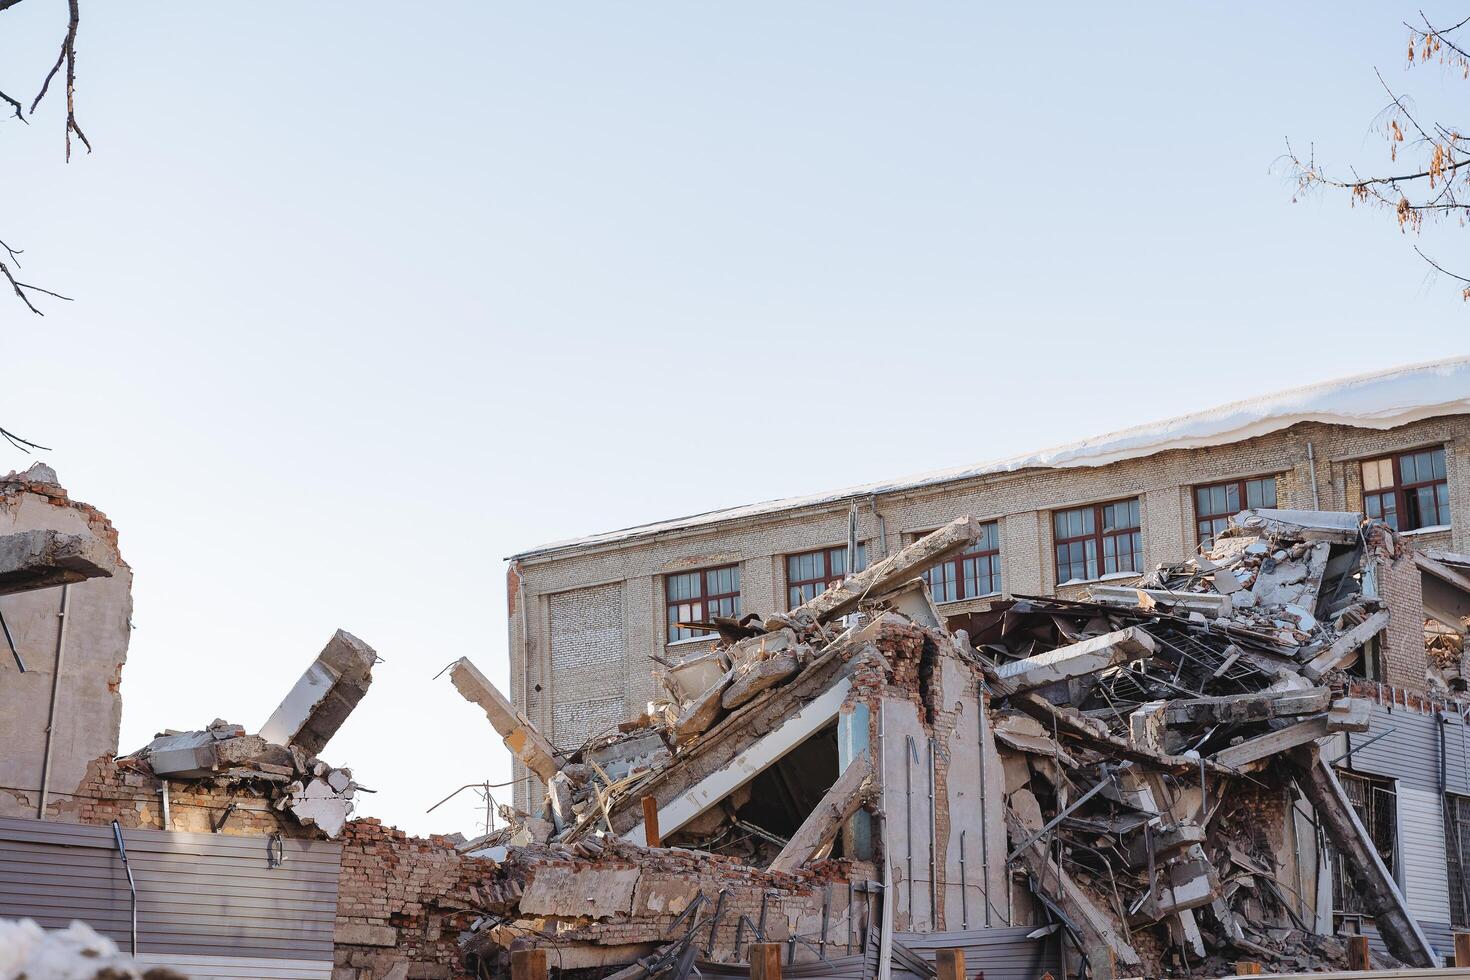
x,y
1137,731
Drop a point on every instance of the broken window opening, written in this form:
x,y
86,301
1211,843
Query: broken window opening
x,y
755,821
698,597
1457,857
811,573
1375,801
1369,663
1408,491
1112,531
1216,503
973,573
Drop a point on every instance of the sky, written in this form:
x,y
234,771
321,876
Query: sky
x,y
369,296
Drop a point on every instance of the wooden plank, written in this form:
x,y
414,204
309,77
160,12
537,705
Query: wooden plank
x,y
765,961
949,964
650,822
1358,958
1246,968
1462,949
528,964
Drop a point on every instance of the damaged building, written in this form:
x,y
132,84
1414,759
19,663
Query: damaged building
x,y
1183,701
1168,777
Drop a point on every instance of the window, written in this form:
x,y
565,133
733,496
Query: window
x,y
1408,491
811,573
1457,854
973,573
697,597
1083,533
1376,804
1216,503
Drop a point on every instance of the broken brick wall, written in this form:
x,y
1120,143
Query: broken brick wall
x,y
88,705
402,903
604,909
1402,655
130,795
927,706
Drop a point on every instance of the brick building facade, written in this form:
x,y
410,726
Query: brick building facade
x,y
586,615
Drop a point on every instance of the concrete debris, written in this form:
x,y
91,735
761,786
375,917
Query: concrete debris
x,y
1131,754
280,763
520,736
324,696
41,559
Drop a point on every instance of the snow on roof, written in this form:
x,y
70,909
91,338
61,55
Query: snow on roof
x,y
1381,400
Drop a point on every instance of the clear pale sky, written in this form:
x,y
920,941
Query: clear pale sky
x,y
371,295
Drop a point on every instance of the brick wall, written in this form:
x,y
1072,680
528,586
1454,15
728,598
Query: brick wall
x,y
1020,502
402,904
1400,584
117,790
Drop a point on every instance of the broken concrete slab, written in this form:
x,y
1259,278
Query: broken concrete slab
x,y
852,788
325,695
756,677
1340,527
1078,659
894,571
581,891
41,559
1343,649
1211,606
320,806
523,739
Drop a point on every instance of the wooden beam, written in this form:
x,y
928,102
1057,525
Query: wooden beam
x,y
893,571
1462,949
1272,743
827,818
1370,878
949,964
650,822
1246,968
528,964
1346,645
765,961
1358,958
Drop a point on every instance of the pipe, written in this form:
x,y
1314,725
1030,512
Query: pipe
x,y
163,793
132,886
55,692
964,887
5,628
984,828
910,756
1312,467
933,845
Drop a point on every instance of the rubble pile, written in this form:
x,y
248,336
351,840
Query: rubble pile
x,y
280,763
1147,737
312,791
1138,731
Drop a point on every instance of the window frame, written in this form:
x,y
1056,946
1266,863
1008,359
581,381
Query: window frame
x,y
827,579
1401,491
1345,899
954,568
1457,856
1240,484
1098,537
702,601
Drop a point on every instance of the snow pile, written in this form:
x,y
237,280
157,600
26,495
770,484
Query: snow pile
x,y
1382,400
73,953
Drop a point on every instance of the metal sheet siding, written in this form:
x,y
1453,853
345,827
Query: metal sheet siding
x,y
1004,954
1421,846
199,895
1408,750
